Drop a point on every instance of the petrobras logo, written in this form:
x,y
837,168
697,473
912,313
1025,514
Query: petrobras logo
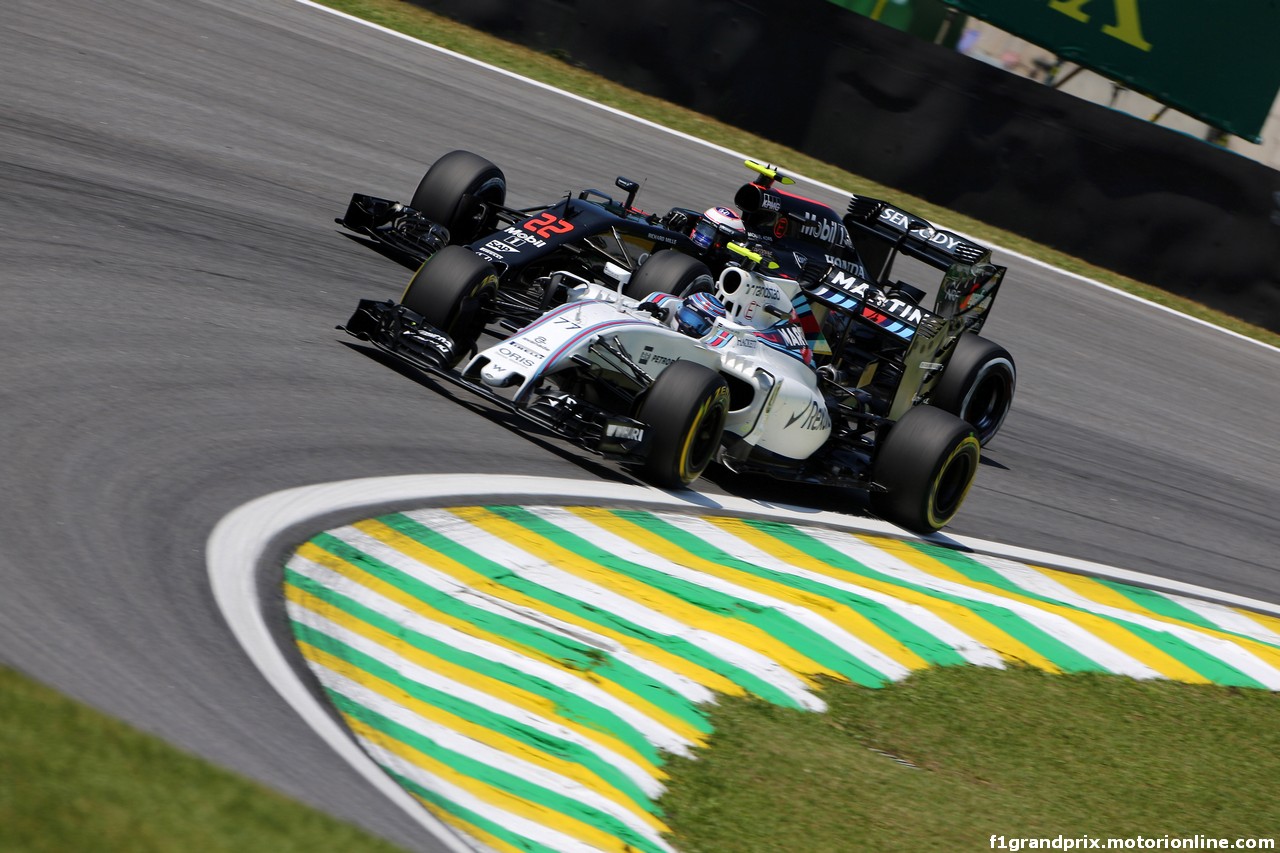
x,y
648,356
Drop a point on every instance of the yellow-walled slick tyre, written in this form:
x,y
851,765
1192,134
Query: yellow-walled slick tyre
x,y
453,290
685,412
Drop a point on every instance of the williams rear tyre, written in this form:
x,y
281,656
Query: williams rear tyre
x,y
977,385
454,290
456,192
684,411
669,272
926,464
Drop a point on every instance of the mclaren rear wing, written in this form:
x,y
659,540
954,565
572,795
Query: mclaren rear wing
x,y
881,232
870,219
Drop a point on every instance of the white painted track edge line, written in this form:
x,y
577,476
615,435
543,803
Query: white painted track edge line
x,y
730,152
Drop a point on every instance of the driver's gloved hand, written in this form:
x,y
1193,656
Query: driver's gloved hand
x,y
654,310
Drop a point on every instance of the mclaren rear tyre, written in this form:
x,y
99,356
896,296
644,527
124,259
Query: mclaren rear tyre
x,y
669,271
925,464
455,193
685,411
453,290
977,385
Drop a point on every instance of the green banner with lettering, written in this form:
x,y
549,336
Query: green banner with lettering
x,y
1217,60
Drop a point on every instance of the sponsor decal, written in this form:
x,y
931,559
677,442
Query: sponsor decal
x,y
906,311
499,246
944,239
780,227
510,354
849,283
812,418
792,336
428,339
648,355
627,433
519,236
763,289
516,344
769,201
824,230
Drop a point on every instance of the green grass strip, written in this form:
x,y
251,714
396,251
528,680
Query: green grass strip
x,y
480,715
74,779
1215,670
568,704
496,777
1051,648
901,629
1016,752
678,646
571,653
771,621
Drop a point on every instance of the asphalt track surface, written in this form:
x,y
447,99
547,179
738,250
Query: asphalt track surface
x,y
171,278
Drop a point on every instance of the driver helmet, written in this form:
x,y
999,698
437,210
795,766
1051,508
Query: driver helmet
x,y
717,226
698,313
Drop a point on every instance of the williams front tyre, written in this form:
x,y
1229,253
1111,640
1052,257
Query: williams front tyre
x,y
454,290
925,466
684,411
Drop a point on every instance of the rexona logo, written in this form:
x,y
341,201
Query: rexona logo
x,y
814,417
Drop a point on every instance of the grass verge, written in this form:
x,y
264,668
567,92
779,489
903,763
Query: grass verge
x,y
941,762
72,779
952,756
412,20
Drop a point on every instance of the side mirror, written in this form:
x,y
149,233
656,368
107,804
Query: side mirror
x,y
630,187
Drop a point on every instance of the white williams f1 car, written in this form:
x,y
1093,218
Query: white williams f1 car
x,y
671,382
